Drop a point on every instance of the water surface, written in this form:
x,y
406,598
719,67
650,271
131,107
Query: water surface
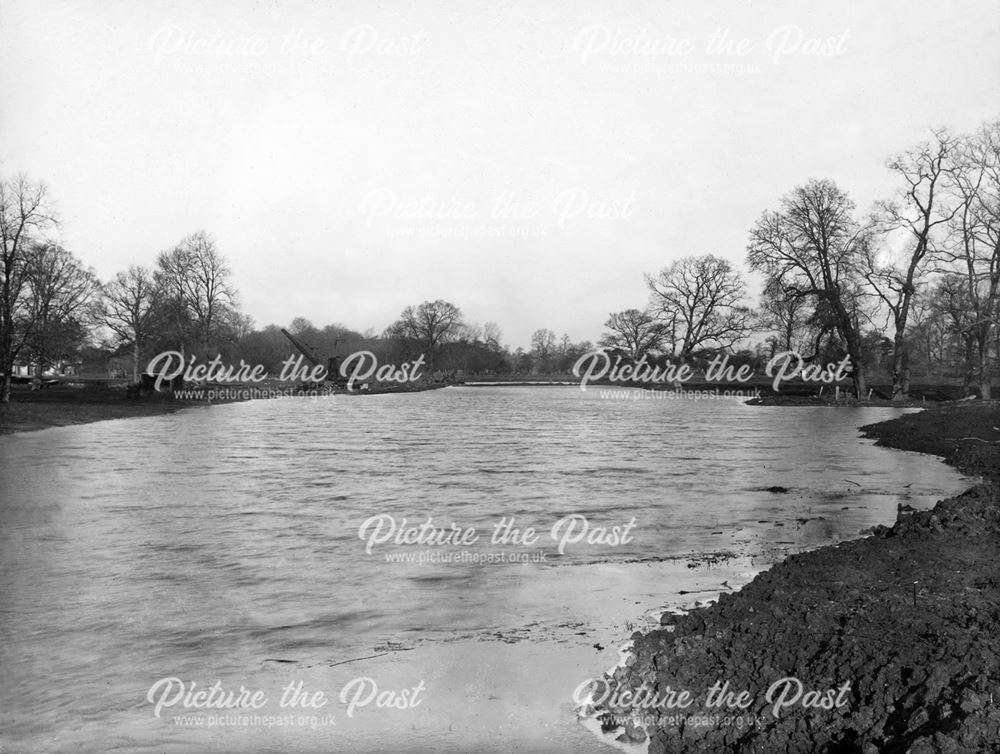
x,y
223,543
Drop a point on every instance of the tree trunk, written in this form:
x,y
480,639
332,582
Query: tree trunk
x,y
900,355
135,362
967,373
858,378
984,370
6,334
900,382
6,363
850,331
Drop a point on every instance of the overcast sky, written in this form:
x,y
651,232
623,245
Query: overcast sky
x,y
526,161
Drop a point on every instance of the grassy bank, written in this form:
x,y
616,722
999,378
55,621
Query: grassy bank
x,y
61,406
65,405
907,617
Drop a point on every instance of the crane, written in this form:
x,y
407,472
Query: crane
x,y
309,354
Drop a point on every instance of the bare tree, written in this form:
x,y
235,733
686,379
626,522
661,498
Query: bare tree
x,y
699,300
973,245
24,215
814,249
919,212
637,331
301,326
470,332
241,325
197,284
130,308
492,335
543,348
790,317
954,316
59,294
431,324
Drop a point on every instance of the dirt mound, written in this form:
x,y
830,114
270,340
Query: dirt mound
x,y
908,618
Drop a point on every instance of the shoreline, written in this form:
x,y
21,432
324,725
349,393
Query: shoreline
x,y
66,406
906,617
63,406
34,415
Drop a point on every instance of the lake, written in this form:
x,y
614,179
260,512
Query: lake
x,y
376,549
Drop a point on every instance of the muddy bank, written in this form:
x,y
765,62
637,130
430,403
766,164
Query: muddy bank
x,y
907,618
964,433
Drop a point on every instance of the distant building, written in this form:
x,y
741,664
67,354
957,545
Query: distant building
x,y
61,368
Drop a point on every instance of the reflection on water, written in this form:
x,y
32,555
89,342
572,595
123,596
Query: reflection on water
x,y
212,543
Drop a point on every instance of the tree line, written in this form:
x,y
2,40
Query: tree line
x,y
54,310
53,307
909,287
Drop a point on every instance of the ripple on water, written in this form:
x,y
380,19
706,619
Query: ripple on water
x,y
206,542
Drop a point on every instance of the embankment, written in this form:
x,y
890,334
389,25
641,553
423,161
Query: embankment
x,y
908,617
61,406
